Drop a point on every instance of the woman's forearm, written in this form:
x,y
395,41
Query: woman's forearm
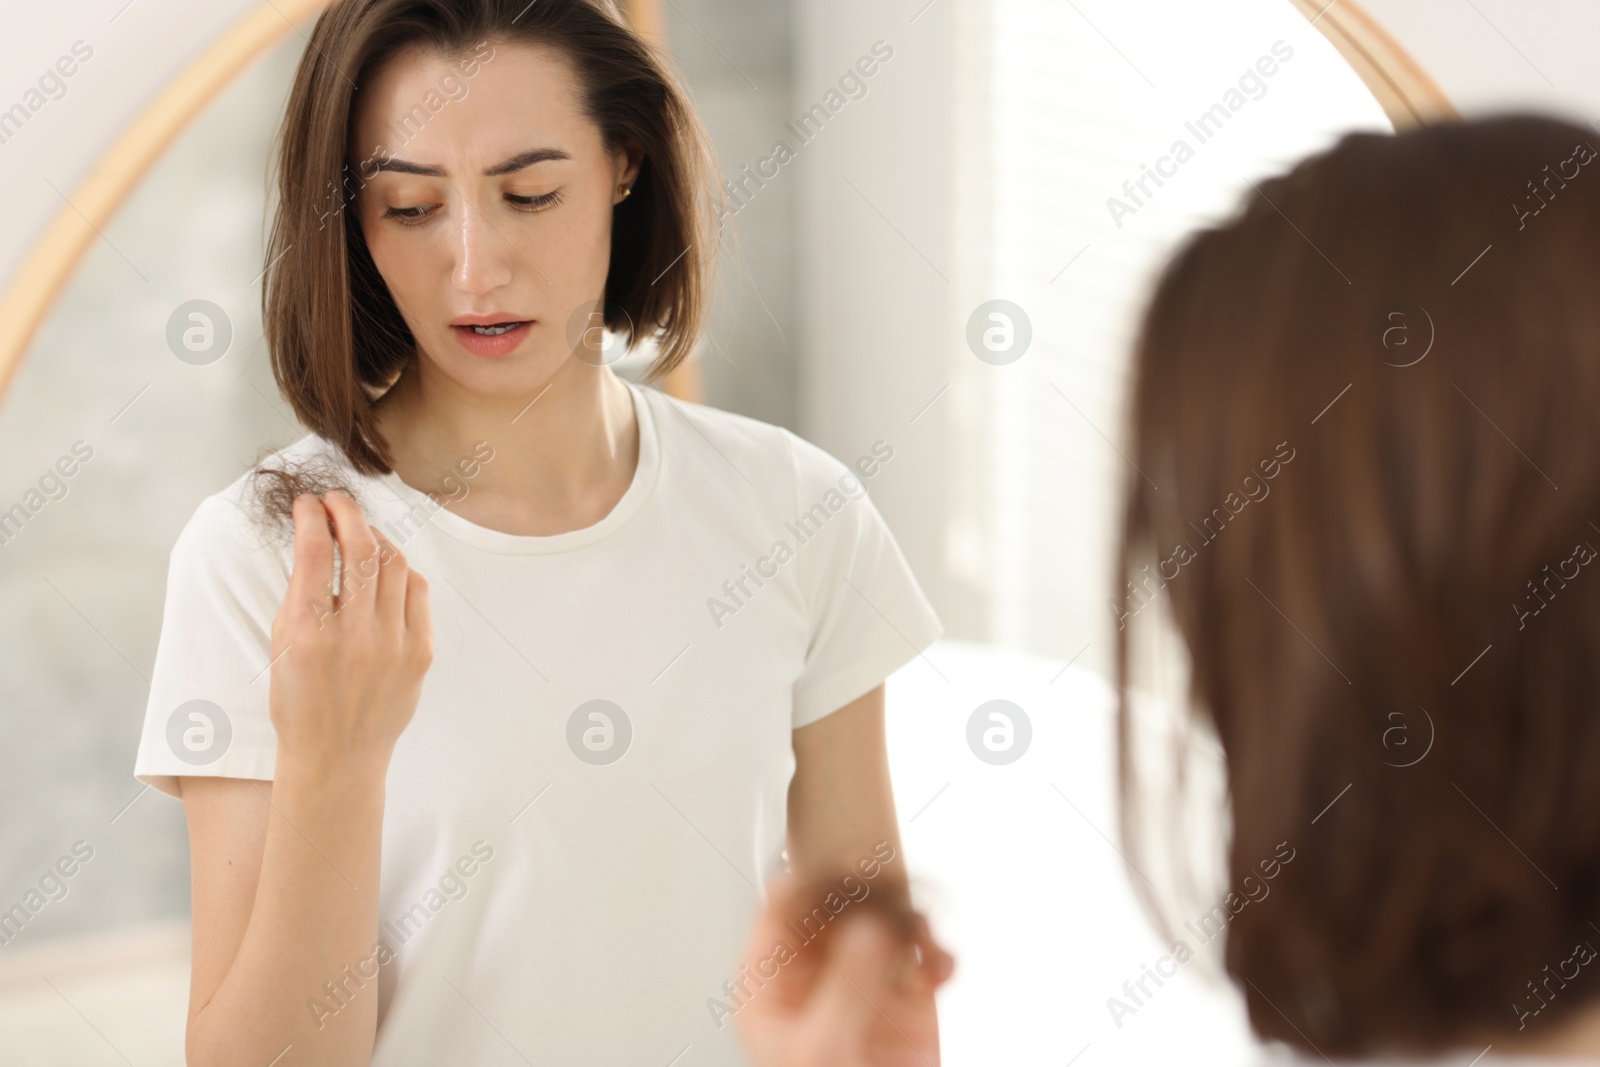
x,y
303,984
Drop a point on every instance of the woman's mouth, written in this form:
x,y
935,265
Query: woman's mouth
x,y
493,338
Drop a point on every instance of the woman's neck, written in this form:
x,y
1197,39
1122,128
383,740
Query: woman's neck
x,y
563,455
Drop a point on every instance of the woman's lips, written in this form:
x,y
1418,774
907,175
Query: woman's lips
x,y
491,344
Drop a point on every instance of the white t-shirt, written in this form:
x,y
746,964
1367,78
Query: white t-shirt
x,y
593,790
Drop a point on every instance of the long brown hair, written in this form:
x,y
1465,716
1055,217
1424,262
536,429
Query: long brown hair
x,y
1414,321
336,338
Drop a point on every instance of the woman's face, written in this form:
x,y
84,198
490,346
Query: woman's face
x,y
485,195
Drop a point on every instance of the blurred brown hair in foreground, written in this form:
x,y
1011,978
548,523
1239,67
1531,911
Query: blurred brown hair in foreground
x,y
1367,477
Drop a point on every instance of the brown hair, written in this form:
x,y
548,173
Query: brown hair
x,y
1413,321
337,340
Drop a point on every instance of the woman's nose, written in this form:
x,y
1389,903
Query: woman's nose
x,y
484,256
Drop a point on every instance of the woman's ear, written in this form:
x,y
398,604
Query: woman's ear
x,y
627,161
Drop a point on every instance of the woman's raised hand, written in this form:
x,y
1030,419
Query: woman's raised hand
x,y
347,670
861,995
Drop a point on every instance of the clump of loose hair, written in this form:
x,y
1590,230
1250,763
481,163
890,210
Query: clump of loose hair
x,y
275,483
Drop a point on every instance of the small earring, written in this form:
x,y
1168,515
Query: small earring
x,y
627,191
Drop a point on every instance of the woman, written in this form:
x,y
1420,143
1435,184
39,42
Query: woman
x,y
520,811
1368,491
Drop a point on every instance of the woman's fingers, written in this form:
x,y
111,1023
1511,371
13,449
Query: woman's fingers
x,y
790,904
854,995
419,617
938,963
375,572
356,681
390,602
313,560
359,565
935,964
855,982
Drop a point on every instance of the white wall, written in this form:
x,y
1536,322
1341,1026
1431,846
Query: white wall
x,y
876,275
1492,54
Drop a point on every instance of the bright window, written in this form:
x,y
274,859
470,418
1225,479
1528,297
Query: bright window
x,y
1099,133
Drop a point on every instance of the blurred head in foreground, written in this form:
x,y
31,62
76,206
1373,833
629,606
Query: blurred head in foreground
x,y
1368,478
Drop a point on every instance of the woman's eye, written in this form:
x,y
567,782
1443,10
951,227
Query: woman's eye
x,y
534,203
408,216
411,216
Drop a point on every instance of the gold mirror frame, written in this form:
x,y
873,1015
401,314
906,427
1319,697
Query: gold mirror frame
x,y
1408,96
44,272
1402,88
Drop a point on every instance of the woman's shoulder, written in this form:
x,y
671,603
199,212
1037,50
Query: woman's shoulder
x,y
757,447
247,521
728,429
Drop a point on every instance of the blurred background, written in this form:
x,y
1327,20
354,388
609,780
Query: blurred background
x,y
953,262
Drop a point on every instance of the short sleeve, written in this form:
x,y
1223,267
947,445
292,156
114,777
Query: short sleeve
x,y
207,713
868,615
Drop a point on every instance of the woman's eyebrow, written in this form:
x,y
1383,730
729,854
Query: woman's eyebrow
x,y
515,163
